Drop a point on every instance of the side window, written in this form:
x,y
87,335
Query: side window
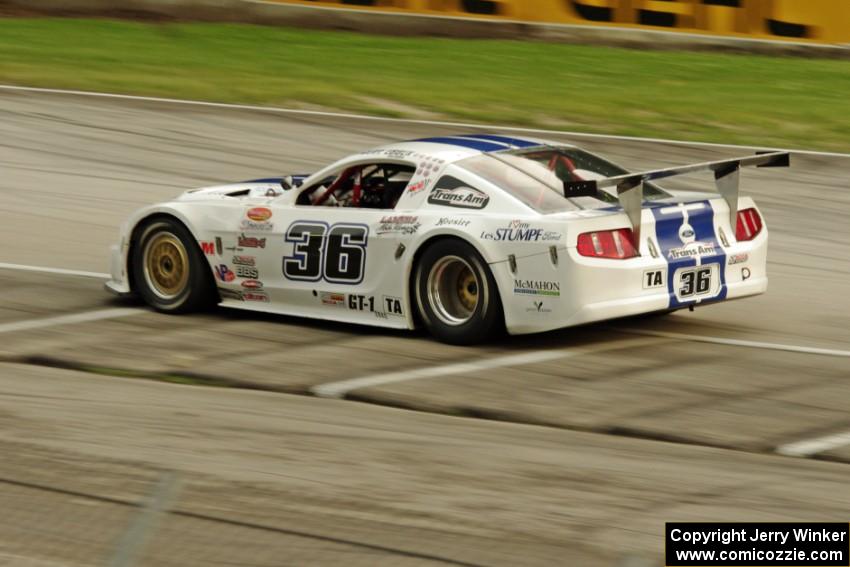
x,y
367,186
452,192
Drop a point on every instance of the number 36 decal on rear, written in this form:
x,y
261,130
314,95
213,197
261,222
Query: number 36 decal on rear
x,y
334,253
700,281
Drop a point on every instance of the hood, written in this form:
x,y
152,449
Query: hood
x,y
234,191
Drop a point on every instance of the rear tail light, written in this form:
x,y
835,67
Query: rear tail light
x,y
615,244
749,225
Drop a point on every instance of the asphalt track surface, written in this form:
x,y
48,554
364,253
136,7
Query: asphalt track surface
x,y
570,447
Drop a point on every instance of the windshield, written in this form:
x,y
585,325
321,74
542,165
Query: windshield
x,y
536,177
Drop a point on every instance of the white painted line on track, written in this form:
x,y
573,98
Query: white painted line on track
x,y
813,446
341,388
408,120
736,342
47,270
71,319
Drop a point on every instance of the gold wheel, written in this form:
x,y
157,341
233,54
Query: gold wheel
x,y
453,290
467,289
166,265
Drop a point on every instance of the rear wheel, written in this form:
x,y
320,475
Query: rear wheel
x,y
456,294
168,270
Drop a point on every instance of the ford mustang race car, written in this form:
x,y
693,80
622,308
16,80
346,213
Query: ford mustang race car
x,y
464,235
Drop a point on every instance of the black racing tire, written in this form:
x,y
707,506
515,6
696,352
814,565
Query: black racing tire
x,y
455,294
169,271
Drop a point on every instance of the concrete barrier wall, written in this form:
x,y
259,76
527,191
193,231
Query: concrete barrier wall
x,y
395,20
801,20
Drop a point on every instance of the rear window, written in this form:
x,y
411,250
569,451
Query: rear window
x,y
537,177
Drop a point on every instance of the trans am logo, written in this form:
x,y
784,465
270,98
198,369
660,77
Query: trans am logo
x,y
462,198
693,250
452,192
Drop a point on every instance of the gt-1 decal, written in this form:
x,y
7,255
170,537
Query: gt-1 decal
x,y
392,306
361,303
334,253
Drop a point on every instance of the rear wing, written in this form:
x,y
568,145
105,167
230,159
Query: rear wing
x,y
630,185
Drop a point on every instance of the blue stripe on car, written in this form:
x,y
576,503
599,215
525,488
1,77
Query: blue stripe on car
x,y
668,222
479,145
515,142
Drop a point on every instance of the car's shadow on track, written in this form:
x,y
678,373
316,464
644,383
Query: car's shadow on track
x,y
586,334
583,335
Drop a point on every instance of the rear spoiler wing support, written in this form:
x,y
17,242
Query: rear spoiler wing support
x,y
630,186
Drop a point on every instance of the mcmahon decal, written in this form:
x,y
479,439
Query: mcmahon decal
x,y
537,287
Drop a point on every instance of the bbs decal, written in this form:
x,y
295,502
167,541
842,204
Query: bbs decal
x,y
334,253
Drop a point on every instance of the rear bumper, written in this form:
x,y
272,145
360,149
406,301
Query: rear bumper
x,y
659,302
578,290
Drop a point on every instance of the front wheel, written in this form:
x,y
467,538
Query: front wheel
x,y
456,294
168,270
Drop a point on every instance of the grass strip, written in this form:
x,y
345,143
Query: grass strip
x,y
758,100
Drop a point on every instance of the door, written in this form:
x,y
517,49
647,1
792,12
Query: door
x,y
338,243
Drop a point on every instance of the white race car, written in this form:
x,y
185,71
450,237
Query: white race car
x,y
464,235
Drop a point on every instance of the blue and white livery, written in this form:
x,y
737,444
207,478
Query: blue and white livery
x,y
464,235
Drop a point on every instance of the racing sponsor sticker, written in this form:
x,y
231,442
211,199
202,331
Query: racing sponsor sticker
x,y
244,260
259,214
361,302
252,284
416,187
452,192
208,248
393,306
399,224
257,219
537,287
519,231
224,273
260,296
256,226
453,221
462,198
538,307
693,250
333,299
251,242
247,272
738,259
654,278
